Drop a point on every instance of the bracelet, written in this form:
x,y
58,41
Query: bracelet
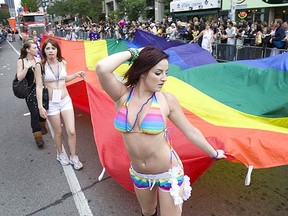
x,y
134,55
217,153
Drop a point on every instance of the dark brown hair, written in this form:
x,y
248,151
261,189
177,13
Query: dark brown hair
x,y
23,51
148,58
54,44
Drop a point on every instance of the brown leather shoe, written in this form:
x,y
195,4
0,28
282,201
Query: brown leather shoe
x,y
38,139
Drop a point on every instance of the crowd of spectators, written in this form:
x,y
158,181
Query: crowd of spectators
x,y
259,34
204,32
244,32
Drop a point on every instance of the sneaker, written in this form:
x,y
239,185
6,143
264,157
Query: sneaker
x,y
74,160
63,159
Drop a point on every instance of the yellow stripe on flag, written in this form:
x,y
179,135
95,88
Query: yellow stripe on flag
x,y
94,51
217,113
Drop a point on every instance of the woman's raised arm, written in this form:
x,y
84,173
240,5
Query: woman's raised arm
x,y
105,68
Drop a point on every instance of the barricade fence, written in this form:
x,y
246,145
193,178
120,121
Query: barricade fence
x,y
221,51
225,52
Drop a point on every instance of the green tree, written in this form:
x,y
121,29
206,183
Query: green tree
x,y
30,4
3,17
81,8
131,8
164,1
60,8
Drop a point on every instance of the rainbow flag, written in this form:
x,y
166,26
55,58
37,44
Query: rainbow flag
x,y
240,107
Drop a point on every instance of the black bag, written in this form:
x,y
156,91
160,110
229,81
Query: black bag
x,y
45,98
45,95
20,88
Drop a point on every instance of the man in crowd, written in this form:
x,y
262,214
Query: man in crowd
x,y
231,39
94,35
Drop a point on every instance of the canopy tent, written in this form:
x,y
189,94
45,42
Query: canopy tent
x,y
240,107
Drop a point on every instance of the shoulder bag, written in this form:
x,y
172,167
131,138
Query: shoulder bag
x,y
45,95
20,88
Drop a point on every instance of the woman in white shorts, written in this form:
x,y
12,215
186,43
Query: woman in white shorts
x,y
60,104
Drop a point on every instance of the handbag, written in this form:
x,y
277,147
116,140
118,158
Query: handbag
x,y
20,88
45,98
45,94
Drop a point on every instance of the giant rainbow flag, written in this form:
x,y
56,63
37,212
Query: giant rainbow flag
x,y
241,107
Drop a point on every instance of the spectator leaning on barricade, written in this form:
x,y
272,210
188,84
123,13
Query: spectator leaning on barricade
x,y
71,35
231,33
278,38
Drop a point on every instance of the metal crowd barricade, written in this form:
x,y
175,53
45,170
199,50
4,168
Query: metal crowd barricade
x,y
225,52
82,35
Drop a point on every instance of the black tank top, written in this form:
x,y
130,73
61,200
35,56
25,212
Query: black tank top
x,y
29,75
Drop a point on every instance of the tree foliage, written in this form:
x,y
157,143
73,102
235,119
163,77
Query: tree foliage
x,y
131,8
4,16
164,1
81,8
30,4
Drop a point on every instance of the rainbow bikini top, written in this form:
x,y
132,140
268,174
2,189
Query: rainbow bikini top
x,y
153,122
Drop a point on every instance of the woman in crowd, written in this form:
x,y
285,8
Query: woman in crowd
x,y
60,104
25,69
208,38
142,115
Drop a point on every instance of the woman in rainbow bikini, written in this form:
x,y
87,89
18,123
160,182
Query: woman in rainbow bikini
x,y
142,113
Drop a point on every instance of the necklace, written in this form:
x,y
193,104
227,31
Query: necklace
x,y
57,75
137,115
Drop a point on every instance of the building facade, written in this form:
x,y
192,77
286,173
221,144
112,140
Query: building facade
x,y
256,10
11,7
185,10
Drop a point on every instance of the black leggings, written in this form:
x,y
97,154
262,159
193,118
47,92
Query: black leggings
x,y
32,105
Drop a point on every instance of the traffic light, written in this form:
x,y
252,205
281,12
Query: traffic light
x,y
275,1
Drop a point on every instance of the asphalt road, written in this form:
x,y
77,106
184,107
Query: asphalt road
x,y
32,182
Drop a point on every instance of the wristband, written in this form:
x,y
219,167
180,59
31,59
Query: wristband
x,y
217,154
134,55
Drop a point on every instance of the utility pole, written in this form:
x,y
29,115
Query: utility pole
x,y
233,10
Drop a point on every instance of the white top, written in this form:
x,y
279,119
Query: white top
x,y
231,32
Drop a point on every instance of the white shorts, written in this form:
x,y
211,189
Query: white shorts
x,y
57,107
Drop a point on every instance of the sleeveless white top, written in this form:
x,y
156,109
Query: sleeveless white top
x,y
50,76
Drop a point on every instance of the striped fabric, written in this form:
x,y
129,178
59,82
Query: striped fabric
x,y
153,122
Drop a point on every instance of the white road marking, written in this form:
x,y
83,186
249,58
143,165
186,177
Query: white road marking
x,y
78,195
13,48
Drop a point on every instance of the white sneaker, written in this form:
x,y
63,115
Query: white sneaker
x,y
74,160
63,159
